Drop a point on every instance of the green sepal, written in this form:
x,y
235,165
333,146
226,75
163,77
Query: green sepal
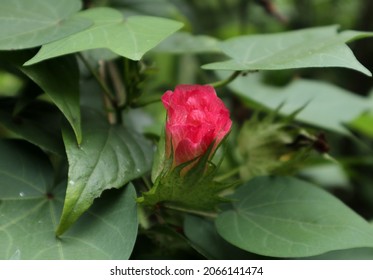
x,y
189,185
269,146
160,160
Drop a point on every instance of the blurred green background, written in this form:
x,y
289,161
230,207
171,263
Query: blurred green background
x,y
351,180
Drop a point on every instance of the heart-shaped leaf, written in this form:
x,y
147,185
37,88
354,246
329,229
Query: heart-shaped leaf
x,y
27,24
312,47
39,124
183,42
321,103
159,8
30,207
348,254
109,157
58,78
205,239
129,37
286,217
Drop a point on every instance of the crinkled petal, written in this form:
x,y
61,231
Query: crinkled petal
x,y
196,117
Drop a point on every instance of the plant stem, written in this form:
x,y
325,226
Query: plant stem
x,y
108,103
120,89
103,86
222,83
190,211
146,182
142,217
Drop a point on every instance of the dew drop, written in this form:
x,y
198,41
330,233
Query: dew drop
x,y
138,170
71,182
21,194
16,255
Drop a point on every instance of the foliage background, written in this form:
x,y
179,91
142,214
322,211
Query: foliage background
x,y
109,229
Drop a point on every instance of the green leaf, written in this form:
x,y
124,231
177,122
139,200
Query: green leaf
x,y
349,254
328,175
129,37
159,8
363,124
59,78
27,24
322,102
286,217
39,124
108,157
204,238
313,47
183,42
31,205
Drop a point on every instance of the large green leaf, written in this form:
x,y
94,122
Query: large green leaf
x,y
30,206
159,8
322,102
313,47
108,157
183,42
204,238
364,124
286,217
39,124
129,37
27,24
349,254
59,78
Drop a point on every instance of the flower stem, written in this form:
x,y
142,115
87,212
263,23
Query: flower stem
x,y
222,83
143,218
190,211
118,84
146,182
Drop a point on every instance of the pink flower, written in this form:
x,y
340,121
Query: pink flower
x,y
195,118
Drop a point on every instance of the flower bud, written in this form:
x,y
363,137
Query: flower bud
x,y
196,118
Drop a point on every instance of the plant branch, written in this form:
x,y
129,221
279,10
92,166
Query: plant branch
x,y
143,218
190,211
103,86
146,182
222,83
117,83
108,103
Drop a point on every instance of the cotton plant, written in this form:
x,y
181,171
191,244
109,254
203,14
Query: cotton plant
x,y
117,142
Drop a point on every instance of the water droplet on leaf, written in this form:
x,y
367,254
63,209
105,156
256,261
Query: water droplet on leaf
x,y
16,255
